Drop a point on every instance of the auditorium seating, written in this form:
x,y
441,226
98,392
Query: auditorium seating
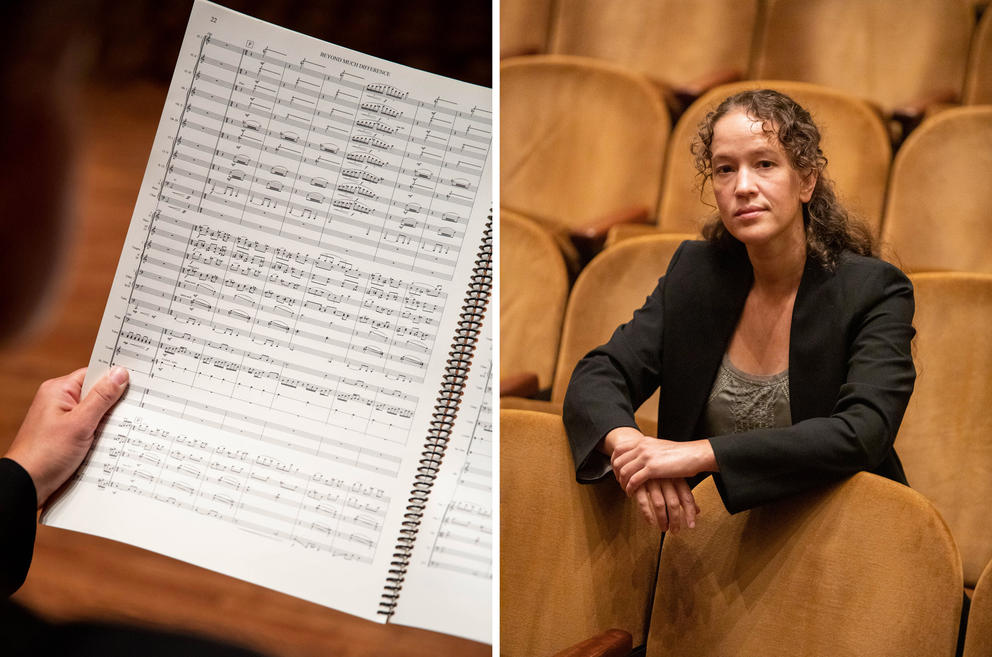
x,y
937,215
894,53
854,139
978,83
978,638
581,142
864,567
685,47
574,559
533,289
523,27
945,441
606,294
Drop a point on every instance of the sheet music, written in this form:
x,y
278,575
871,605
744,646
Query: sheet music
x,y
452,566
285,302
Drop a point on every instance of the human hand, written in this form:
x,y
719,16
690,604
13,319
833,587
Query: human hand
x,y
635,462
58,428
667,504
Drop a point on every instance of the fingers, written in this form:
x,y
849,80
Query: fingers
x,y
102,396
658,504
687,501
644,505
676,517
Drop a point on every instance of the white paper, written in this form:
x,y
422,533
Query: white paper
x,y
449,585
285,302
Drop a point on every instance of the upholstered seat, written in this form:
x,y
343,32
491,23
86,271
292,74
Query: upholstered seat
x,y
937,217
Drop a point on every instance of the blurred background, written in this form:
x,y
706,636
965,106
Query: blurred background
x,y
83,84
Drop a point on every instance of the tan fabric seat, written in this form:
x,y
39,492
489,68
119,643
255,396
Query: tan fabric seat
x,y
978,638
945,440
523,27
865,567
854,139
573,558
579,140
937,217
671,41
533,291
978,82
606,294
888,51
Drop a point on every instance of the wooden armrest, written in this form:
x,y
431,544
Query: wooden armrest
x,y
611,643
524,384
688,93
589,239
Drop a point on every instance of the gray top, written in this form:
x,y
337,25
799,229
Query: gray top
x,y
740,401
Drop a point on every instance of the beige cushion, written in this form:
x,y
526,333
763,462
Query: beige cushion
x,y
938,214
854,139
887,51
865,567
574,559
945,441
533,289
579,140
978,639
670,41
523,27
978,83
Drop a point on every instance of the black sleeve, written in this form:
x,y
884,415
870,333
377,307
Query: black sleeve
x,y
612,381
760,466
18,523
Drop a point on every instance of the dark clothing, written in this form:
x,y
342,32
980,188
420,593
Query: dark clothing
x,y
24,634
18,521
851,373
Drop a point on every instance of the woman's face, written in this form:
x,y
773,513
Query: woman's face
x,y
758,192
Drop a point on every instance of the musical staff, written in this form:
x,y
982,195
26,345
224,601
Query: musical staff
x,y
307,230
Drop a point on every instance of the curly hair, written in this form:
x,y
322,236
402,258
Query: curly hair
x,y
830,229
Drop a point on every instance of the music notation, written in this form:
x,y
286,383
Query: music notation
x,y
292,280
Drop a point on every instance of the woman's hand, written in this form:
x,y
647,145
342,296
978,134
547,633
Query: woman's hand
x,y
666,503
637,461
58,428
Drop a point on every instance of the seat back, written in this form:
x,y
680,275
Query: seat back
x,y
607,292
579,139
945,440
978,638
888,51
523,27
574,559
853,138
670,41
863,567
937,216
978,82
533,291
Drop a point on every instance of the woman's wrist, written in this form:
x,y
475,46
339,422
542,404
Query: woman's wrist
x,y
615,436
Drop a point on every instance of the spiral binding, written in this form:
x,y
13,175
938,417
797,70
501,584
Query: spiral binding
x,y
445,409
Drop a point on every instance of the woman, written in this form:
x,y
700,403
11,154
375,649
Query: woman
x,y
780,343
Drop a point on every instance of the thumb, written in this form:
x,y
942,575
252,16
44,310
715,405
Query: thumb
x,y
104,394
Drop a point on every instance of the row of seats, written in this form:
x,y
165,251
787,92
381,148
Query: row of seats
x,y
894,53
940,441
587,151
864,567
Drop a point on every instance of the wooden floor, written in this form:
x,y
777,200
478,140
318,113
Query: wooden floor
x,y
75,576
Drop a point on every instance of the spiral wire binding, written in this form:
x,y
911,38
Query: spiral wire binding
x,y
445,410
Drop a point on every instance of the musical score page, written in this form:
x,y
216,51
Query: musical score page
x,y
285,301
449,583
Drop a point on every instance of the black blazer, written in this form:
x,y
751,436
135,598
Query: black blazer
x,y
851,373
